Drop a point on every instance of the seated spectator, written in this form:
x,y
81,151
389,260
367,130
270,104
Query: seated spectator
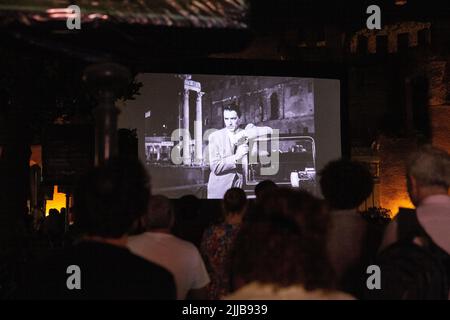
x,y
189,223
345,184
416,249
428,181
284,256
178,256
54,228
264,188
218,240
108,201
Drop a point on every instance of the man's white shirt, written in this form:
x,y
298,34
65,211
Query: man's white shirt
x,y
179,257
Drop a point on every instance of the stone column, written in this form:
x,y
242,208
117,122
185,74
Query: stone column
x,y
198,131
186,134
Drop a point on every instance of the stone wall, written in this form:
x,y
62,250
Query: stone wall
x,y
440,126
393,152
286,104
392,33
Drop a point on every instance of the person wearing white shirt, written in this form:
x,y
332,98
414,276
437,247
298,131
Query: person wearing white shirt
x,y
178,256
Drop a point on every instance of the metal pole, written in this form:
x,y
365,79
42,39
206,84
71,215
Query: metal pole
x,y
106,81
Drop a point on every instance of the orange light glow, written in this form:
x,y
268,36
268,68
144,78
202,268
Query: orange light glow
x,y
36,155
58,202
400,2
394,204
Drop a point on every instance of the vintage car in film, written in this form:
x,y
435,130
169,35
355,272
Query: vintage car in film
x,y
290,162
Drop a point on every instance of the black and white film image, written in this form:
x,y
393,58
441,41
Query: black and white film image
x,y
207,133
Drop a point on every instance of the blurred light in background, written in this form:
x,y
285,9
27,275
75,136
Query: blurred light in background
x,y
58,202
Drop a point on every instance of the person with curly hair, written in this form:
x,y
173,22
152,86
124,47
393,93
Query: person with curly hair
x,y
283,255
218,240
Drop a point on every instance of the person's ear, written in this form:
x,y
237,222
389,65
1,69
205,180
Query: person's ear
x,y
413,182
412,187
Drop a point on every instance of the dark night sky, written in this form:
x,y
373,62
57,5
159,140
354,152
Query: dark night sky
x,y
159,94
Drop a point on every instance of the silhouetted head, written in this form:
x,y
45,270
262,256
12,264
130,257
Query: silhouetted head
x,y
53,212
345,184
263,188
110,199
234,201
160,214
